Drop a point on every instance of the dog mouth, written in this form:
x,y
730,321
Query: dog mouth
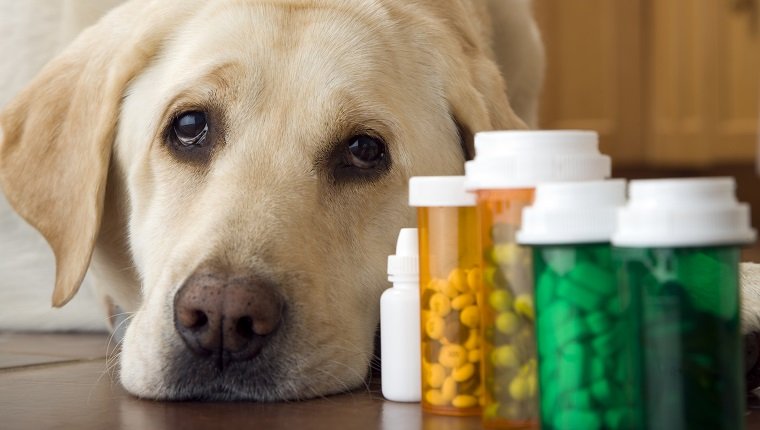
x,y
219,377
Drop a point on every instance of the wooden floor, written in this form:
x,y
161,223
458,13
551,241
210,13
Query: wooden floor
x,y
63,382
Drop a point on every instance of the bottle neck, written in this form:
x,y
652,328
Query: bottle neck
x,y
405,282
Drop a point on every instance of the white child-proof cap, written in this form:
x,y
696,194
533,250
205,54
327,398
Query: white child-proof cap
x,y
525,159
404,265
683,212
572,212
441,191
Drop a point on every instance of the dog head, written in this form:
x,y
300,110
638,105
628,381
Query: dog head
x,y
240,169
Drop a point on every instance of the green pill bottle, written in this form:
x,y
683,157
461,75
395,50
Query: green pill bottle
x,y
677,249
585,330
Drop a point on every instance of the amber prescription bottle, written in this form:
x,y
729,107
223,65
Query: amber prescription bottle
x,y
677,246
449,280
585,323
508,165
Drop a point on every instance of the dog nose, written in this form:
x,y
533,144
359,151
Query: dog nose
x,y
229,317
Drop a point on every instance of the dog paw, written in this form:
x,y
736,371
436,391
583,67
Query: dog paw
x,y
750,314
749,280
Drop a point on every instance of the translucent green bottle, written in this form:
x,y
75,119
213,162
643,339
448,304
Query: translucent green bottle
x,y
585,323
677,245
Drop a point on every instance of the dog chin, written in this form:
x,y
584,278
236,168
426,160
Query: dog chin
x,y
180,375
198,384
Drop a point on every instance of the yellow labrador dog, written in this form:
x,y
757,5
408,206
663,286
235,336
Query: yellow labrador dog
x,y
236,171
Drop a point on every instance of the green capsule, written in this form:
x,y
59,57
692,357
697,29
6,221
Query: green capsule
x,y
597,368
577,419
619,419
571,378
578,399
549,398
598,322
593,278
615,306
572,364
545,286
602,391
556,315
577,296
610,342
570,331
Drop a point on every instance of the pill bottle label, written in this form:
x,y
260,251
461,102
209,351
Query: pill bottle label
x,y
691,338
509,348
586,341
449,315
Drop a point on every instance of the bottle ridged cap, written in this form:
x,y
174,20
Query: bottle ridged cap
x,y
683,212
432,191
404,265
572,212
525,159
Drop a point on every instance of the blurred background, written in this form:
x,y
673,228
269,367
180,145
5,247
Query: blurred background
x,y
672,86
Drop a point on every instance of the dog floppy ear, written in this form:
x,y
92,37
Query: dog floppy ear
x,y
475,88
56,135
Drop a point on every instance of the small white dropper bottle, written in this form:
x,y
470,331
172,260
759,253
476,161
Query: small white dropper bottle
x,y
400,322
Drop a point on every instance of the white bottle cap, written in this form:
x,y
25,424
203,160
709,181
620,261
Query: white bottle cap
x,y
404,266
439,191
572,212
524,159
683,212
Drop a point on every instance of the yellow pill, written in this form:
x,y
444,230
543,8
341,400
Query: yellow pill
x,y
463,373
500,300
462,301
434,327
449,389
491,411
449,290
532,385
458,279
474,278
440,305
524,306
470,316
504,253
504,356
433,284
507,322
464,401
525,370
518,389
452,356
435,376
435,398
489,276
473,356
473,340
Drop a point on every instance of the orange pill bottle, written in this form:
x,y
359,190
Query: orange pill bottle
x,y
449,282
507,167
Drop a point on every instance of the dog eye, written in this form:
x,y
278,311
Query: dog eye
x,y
365,152
190,129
